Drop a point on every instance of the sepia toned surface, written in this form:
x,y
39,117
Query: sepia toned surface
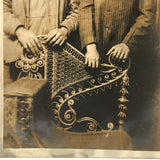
x,y
143,129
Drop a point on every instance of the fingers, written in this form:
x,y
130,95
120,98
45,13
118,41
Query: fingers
x,y
55,37
39,45
89,63
29,41
94,63
113,56
122,55
97,63
31,48
50,36
27,45
58,41
119,53
62,42
92,57
125,55
111,50
86,60
24,44
34,46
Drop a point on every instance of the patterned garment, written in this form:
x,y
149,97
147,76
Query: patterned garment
x,y
108,22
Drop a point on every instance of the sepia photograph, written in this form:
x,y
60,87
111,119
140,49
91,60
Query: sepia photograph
x,y
80,78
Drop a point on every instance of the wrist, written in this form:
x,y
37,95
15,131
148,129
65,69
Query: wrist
x,y
91,47
125,44
64,30
19,30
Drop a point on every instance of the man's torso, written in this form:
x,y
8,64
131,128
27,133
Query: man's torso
x,y
44,15
113,19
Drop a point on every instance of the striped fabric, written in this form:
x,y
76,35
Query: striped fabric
x,y
108,22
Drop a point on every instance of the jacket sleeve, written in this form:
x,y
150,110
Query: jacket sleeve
x,y
71,19
10,22
86,22
142,29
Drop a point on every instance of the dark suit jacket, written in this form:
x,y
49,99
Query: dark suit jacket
x,y
108,22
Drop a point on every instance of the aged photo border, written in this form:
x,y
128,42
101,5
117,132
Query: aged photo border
x,y
41,153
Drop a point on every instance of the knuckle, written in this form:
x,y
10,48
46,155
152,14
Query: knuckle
x,y
56,42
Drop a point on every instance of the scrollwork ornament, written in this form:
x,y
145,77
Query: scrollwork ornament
x,y
110,125
61,100
79,89
73,92
70,102
69,115
120,70
19,64
91,126
28,58
109,74
30,62
113,74
66,95
34,68
40,63
93,80
99,79
106,77
26,68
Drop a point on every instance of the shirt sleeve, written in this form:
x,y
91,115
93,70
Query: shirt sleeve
x,y
142,28
10,22
71,19
86,22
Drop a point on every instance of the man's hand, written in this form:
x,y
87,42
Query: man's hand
x,y
92,56
28,40
57,36
119,51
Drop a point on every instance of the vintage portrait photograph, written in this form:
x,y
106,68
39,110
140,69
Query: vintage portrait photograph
x,y
80,76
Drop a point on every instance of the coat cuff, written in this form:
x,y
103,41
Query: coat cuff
x,y
11,29
127,41
87,40
19,27
69,25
